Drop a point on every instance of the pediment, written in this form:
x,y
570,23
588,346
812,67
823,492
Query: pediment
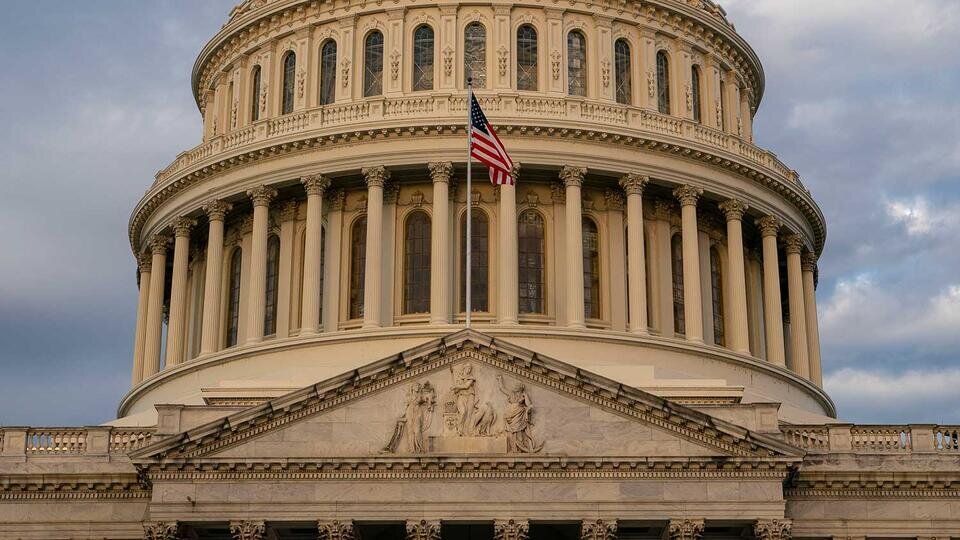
x,y
466,395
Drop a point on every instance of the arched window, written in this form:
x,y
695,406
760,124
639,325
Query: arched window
x,y
358,262
576,64
233,298
530,236
270,291
716,286
591,269
479,264
289,78
255,95
527,58
423,58
475,54
624,75
695,93
328,72
663,82
416,264
676,259
373,64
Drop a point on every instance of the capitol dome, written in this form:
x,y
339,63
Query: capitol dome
x,y
320,224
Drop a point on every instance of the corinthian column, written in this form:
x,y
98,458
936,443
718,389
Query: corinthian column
x,y
808,264
572,178
143,300
633,184
739,333
162,530
176,323
209,335
772,319
440,270
375,177
692,301
508,286
315,186
773,529
247,530
158,277
685,529
598,529
423,530
261,197
799,359
511,529
335,530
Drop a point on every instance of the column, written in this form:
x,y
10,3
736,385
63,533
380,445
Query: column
x,y
572,178
247,530
633,184
692,301
616,288
772,529
508,271
158,277
176,323
391,195
209,334
423,530
335,530
772,310
331,297
315,186
256,310
285,277
511,529
598,529
800,360
734,210
662,267
440,270
375,177
685,529
143,300
808,263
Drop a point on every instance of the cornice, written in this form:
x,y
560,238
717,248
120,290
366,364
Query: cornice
x,y
46,486
278,147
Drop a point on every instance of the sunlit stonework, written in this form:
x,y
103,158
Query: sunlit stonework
x,y
644,360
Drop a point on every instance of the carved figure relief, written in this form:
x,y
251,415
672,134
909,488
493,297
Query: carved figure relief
x,y
472,418
408,435
517,418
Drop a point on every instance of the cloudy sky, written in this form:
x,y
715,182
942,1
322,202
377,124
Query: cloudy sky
x,y
863,98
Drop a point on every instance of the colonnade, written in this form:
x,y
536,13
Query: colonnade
x,y
804,347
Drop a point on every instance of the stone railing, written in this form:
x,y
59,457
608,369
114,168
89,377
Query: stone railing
x,y
873,439
506,110
64,442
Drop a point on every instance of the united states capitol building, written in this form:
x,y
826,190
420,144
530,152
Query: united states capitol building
x,y
644,355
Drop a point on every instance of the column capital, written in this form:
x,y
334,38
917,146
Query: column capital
x,y
511,529
572,176
262,195
423,530
144,261
335,530
773,529
733,209
162,530
687,194
614,199
315,184
685,529
159,243
598,530
441,171
808,261
247,530
768,225
375,176
557,193
662,209
337,199
288,211
182,226
515,171
793,244
634,183
217,209
391,192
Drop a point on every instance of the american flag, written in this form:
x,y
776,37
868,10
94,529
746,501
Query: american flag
x,y
486,147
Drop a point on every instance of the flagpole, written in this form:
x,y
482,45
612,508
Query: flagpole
x,y
469,262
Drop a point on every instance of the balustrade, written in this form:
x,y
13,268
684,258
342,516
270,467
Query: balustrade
x,y
808,437
946,439
124,441
881,438
56,441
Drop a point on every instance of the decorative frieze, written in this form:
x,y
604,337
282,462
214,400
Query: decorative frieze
x,y
773,529
247,530
423,530
335,530
511,529
598,530
685,529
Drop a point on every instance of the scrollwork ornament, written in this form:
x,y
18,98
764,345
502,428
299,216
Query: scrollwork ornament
x,y
773,529
598,530
335,530
768,225
572,176
733,209
687,195
423,530
511,529
685,529
247,530
162,530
